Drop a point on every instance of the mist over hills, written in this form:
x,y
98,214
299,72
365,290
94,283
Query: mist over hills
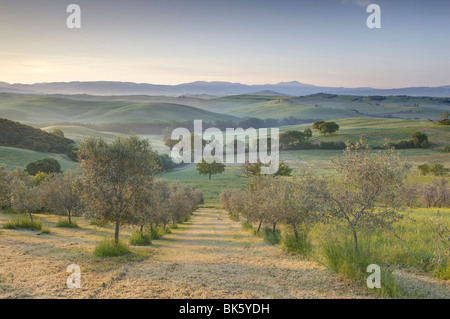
x,y
292,88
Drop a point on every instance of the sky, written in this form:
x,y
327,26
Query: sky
x,y
324,42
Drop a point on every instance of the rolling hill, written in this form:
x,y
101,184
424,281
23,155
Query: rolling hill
x,y
14,134
53,109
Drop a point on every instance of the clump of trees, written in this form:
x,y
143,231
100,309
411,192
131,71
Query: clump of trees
x,y
46,165
325,127
418,140
292,137
444,118
435,169
254,169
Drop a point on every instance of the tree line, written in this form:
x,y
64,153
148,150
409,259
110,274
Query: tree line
x,y
116,184
369,192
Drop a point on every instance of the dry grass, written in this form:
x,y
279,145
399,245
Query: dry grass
x,y
208,257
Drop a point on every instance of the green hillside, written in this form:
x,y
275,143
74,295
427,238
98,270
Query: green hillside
x,y
77,133
377,130
15,134
328,106
57,109
15,157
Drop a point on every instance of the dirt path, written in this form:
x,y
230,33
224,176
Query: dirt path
x,y
212,257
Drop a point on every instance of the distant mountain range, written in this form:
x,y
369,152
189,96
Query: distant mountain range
x,y
293,88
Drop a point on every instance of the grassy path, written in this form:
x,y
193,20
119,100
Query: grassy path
x,y
212,257
208,257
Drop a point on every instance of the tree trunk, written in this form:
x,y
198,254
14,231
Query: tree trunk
x,y
274,227
70,217
355,237
31,216
259,226
116,233
142,228
295,232
209,176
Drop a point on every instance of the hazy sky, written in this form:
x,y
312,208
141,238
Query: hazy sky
x,y
321,42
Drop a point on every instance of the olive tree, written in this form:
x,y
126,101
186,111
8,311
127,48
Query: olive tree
x,y
60,192
366,194
5,187
114,175
299,202
25,194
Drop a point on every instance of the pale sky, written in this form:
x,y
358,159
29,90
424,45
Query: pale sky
x,y
324,42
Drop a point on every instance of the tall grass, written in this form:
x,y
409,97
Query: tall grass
x,y
140,238
107,248
65,224
338,254
301,245
271,237
23,223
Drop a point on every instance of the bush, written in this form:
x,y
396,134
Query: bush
x,y
107,248
97,222
23,223
173,226
65,224
156,233
45,230
246,225
139,238
271,237
46,165
301,245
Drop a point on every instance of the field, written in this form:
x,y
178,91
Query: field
x,y
208,257
145,109
13,157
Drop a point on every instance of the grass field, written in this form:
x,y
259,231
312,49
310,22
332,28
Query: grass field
x,y
54,109
377,130
209,256
141,109
211,189
15,157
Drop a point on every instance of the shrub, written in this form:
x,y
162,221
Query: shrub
x,y
65,224
301,245
97,222
23,223
140,238
46,165
156,233
173,226
271,237
107,248
246,225
45,230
